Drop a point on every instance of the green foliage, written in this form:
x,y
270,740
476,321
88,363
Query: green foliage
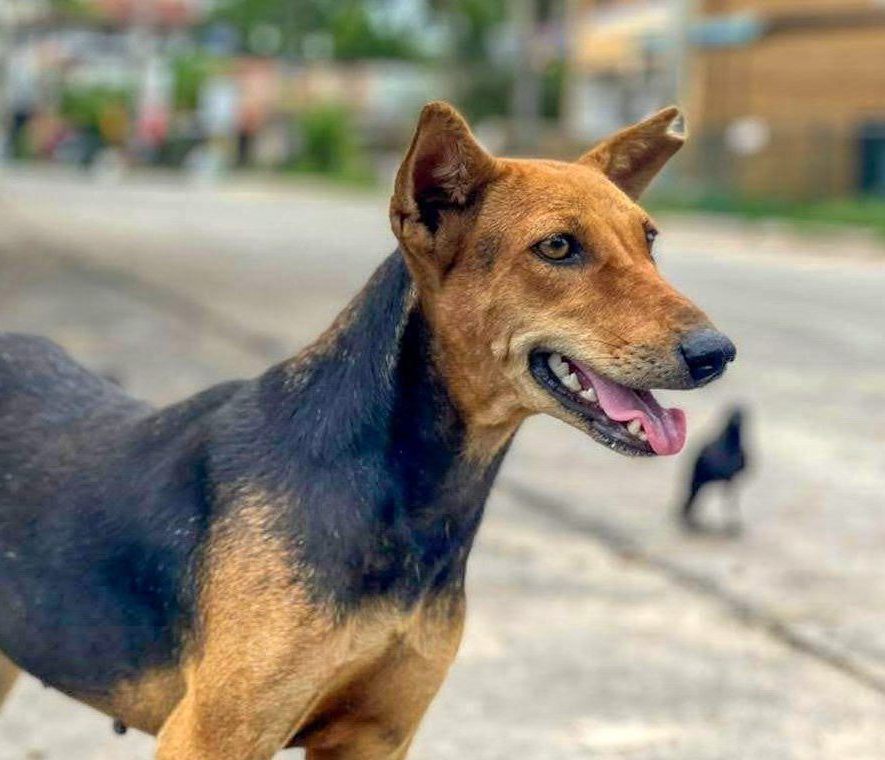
x,y
354,32
190,74
72,8
294,19
329,144
482,89
552,80
485,92
868,212
475,20
472,20
84,106
356,37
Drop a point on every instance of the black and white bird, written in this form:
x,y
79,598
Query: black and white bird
x,y
719,461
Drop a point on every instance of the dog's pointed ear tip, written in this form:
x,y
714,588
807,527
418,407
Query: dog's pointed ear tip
x,y
438,106
674,121
679,136
440,110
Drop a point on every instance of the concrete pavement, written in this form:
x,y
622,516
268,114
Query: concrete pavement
x,y
596,629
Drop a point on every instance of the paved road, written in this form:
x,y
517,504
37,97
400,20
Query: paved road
x,y
597,630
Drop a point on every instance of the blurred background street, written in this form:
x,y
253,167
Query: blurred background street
x,y
597,628
191,189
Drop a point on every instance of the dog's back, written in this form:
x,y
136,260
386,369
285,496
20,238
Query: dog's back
x,y
42,388
101,506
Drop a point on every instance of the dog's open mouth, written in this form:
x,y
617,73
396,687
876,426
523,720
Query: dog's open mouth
x,y
630,421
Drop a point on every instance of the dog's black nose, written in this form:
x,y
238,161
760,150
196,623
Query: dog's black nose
x,y
706,352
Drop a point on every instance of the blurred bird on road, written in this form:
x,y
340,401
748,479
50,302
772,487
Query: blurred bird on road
x,y
720,460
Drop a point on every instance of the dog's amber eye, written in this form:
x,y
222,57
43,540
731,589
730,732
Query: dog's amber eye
x,y
558,248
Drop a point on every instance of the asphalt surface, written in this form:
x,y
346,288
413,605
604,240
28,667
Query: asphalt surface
x,y
596,628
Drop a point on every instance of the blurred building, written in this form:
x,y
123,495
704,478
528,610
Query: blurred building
x,y
620,66
163,12
70,70
786,98
167,82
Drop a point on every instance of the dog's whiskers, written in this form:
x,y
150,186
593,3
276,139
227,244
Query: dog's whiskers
x,y
621,338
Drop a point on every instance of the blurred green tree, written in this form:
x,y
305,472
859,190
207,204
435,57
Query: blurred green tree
x,y
71,8
351,24
357,36
480,85
190,73
472,23
329,143
85,106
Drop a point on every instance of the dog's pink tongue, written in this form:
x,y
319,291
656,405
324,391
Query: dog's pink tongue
x,y
665,428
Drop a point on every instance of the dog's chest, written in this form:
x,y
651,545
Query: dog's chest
x,y
372,638
378,653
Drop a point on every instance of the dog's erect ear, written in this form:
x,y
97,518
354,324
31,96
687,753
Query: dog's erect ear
x,y
443,170
632,157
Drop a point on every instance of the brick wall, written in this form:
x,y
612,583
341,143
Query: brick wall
x,y
814,88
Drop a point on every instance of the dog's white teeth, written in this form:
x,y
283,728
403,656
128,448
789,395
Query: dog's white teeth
x,y
589,395
634,427
563,371
643,437
571,382
559,367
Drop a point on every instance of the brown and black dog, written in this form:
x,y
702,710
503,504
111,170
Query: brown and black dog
x,y
280,562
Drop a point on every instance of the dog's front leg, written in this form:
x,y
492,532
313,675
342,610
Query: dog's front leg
x,y
232,715
260,659
8,676
369,746
383,713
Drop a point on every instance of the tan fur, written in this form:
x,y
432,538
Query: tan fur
x,y
256,669
143,703
632,157
8,675
376,714
271,665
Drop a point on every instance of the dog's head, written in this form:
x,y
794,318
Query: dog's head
x,y
539,281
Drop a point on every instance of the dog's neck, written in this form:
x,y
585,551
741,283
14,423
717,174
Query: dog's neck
x,y
389,500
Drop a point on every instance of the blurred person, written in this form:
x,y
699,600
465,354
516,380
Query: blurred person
x,y
153,114
22,93
218,109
